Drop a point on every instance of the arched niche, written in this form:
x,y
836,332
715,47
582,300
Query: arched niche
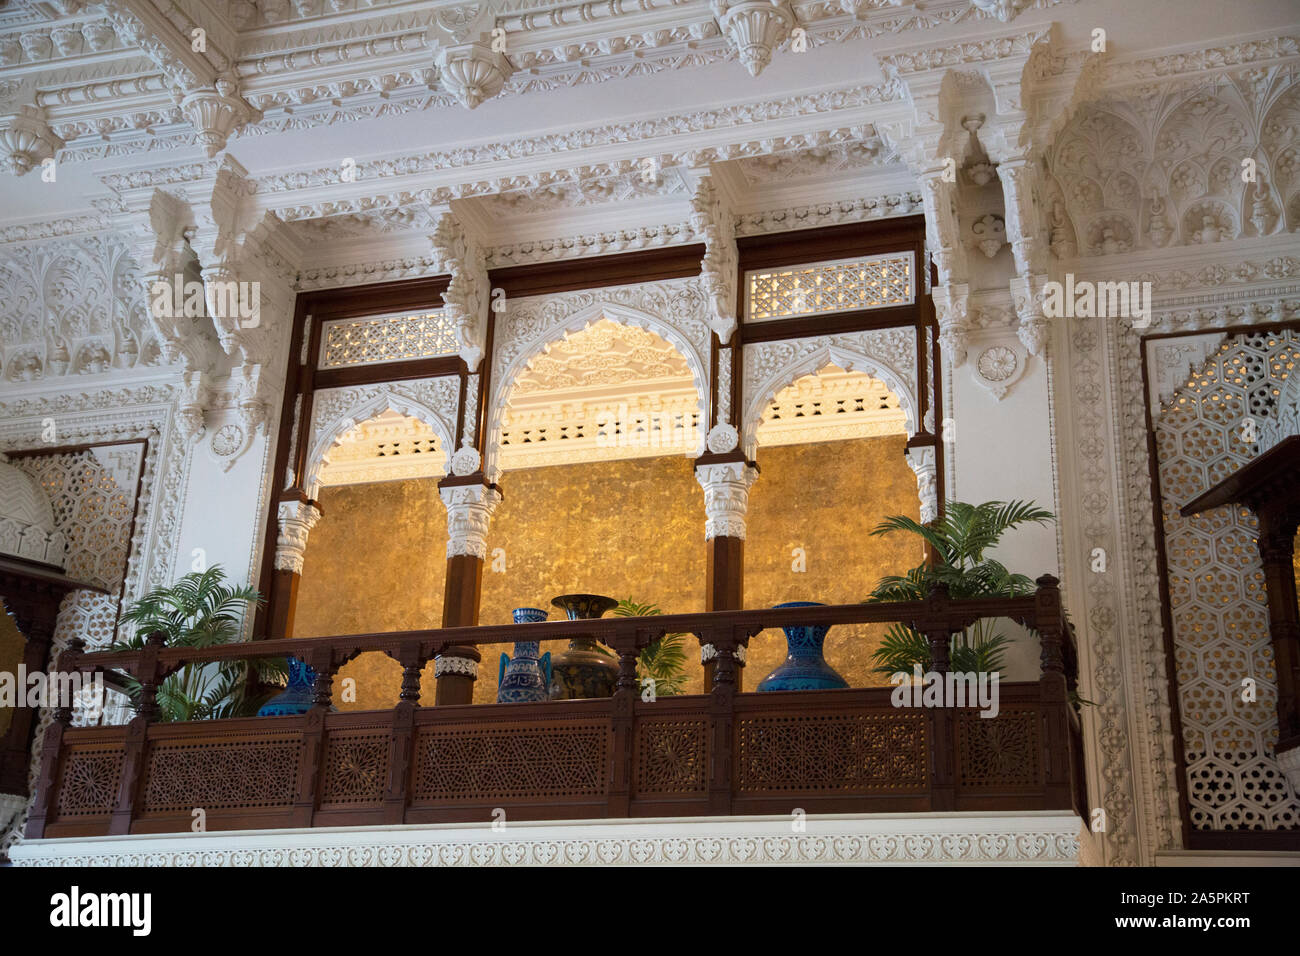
x,y
674,310
337,411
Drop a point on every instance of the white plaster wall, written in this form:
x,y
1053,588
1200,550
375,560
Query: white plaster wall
x,y
1001,452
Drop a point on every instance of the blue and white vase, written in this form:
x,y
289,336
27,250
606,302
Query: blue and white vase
x,y
297,696
527,677
805,668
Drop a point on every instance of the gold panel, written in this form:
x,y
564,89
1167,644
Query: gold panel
x,y
628,529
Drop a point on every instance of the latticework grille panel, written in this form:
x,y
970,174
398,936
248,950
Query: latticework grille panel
x,y
394,338
481,764
1002,752
827,287
814,752
89,783
215,774
1218,603
356,768
671,756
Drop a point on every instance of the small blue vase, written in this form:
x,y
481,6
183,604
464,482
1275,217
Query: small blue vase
x,y
805,668
527,678
297,697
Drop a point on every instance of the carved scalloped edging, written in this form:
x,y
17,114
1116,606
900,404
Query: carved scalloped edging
x,y
1048,839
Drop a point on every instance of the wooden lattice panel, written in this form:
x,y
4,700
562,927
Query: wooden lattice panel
x,y
221,774
671,756
862,752
1002,752
88,784
356,769
520,763
1206,431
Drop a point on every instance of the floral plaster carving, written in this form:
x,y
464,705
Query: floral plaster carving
x,y
675,310
469,512
336,411
726,497
997,369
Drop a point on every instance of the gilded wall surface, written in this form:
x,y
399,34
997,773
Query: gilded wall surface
x,y
627,529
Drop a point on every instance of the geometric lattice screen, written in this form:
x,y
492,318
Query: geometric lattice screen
x,y
389,338
1216,587
821,288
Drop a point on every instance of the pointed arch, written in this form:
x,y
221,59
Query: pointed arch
x,y
337,411
685,332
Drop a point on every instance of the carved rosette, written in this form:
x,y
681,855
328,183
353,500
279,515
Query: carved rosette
x,y
726,497
921,460
469,512
26,140
297,518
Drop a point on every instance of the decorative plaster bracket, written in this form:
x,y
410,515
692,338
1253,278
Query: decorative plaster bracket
x,y
755,28
26,140
921,459
1027,293
459,254
471,65
216,112
950,306
297,518
726,497
713,220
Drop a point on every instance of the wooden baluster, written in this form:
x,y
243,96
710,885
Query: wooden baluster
x,y
150,674
402,742
321,660
722,717
626,642
47,795
1052,689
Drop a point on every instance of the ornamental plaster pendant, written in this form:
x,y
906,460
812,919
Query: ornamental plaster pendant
x,y
755,28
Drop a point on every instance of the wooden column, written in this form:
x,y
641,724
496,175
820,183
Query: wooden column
x,y
726,479
470,501
298,514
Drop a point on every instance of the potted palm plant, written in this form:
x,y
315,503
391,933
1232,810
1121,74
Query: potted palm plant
x,y
663,660
960,540
202,610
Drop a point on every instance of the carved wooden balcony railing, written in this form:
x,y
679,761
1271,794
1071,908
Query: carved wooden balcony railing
x,y
832,751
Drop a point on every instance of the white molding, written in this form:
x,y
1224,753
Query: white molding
x,y
1043,838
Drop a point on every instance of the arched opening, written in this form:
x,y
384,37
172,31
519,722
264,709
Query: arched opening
x,y
596,433
376,561
830,446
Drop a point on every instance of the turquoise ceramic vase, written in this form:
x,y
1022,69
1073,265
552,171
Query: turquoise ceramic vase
x,y
583,670
297,696
805,668
526,677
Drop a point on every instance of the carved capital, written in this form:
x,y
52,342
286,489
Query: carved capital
x,y
921,459
297,518
726,497
469,512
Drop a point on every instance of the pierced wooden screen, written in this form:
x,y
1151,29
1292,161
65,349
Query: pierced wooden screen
x,y
824,288
388,338
483,764
221,774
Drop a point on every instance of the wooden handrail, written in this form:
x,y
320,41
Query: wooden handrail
x,y
954,613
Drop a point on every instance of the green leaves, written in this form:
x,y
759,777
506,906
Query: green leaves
x,y
959,540
662,660
201,610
